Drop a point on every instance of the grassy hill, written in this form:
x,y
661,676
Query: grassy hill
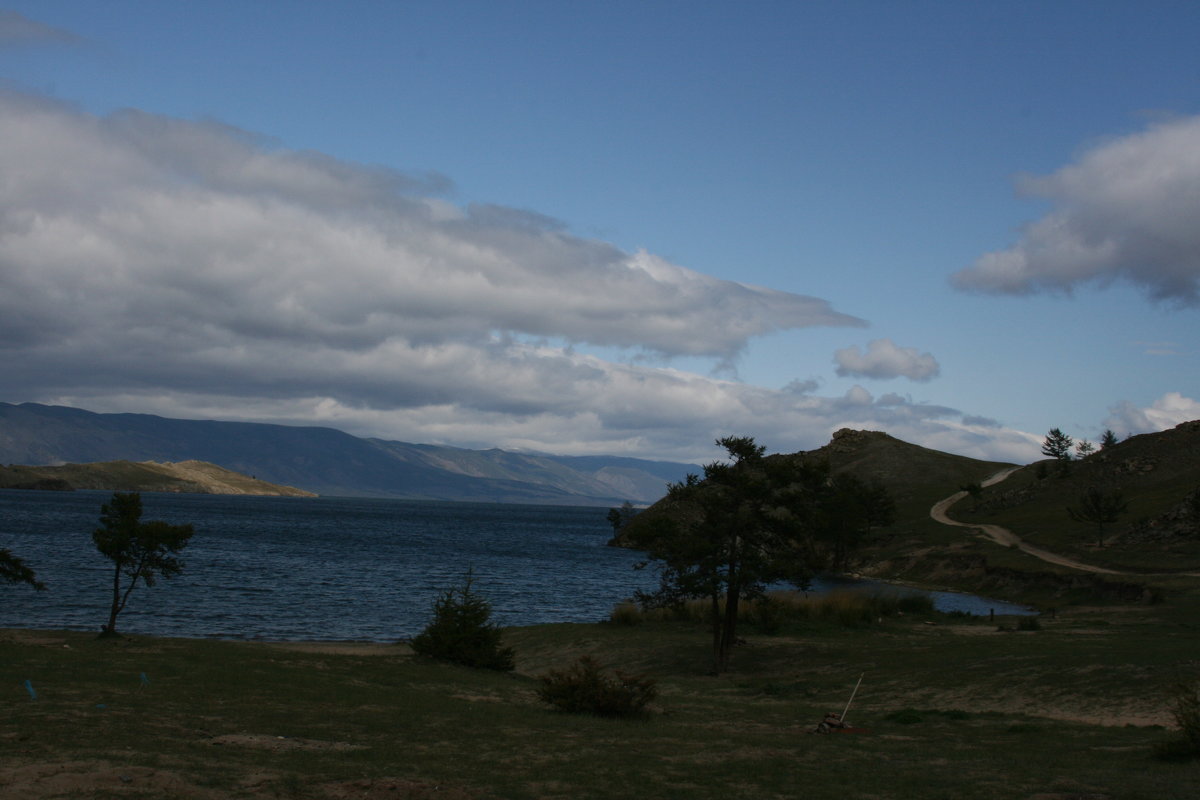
x,y
916,476
1158,474
147,476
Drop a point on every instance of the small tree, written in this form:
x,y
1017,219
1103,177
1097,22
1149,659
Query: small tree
x,y
138,550
1057,445
1099,508
620,517
747,524
461,631
1107,439
974,490
13,570
1084,448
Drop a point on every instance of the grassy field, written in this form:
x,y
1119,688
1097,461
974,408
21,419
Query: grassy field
x,y
955,708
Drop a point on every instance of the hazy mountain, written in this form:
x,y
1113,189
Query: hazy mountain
x,y
328,461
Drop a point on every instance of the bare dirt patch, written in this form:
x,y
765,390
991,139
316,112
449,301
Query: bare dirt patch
x,y
96,778
263,741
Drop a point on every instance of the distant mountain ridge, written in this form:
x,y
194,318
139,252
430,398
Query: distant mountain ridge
x,y
329,461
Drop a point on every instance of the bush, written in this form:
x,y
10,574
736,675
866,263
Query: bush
x,y
462,632
583,688
626,613
1185,708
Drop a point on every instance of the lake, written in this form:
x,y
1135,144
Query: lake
x,y
329,568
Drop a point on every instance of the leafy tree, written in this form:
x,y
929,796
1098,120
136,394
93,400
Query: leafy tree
x,y
850,510
974,490
620,517
461,631
1057,445
138,550
1099,507
1084,448
13,570
749,523
1107,439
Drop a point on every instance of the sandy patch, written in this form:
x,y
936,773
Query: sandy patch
x,y
90,778
263,741
371,789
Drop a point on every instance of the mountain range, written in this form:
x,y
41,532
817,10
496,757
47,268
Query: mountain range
x,y
330,462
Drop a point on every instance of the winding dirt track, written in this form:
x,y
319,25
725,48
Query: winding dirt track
x,y
1005,537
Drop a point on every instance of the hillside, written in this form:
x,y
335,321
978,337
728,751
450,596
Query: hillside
x,y
1158,475
149,476
915,476
1145,556
328,461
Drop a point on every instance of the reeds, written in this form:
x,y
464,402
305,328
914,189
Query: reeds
x,y
847,608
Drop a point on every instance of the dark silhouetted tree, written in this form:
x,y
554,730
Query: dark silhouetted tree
x,y
1107,439
1057,445
139,550
751,522
1084,448
14,570
974,490
1099,507
620,517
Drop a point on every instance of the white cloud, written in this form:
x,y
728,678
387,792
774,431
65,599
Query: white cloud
x,y
883,359
1127,210
193,270
1166,412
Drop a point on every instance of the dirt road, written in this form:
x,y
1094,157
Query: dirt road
x,y
1005,537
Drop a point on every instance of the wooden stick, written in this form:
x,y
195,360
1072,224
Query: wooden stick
x,y
851,700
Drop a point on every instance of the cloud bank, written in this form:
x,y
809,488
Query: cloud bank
x,y
1127,211
884,360
196,270
1166,412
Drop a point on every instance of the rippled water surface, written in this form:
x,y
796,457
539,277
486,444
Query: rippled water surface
x,y
324,568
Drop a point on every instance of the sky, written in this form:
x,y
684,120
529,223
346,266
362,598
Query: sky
x,y
623,228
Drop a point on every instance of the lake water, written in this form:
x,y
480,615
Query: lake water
x,y
328,568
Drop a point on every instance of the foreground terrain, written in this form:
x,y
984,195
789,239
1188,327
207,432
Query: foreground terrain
x,y
954,707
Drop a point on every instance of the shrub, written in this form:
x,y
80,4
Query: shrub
x,y
625,614
583,688
461,631
1185,708
1029,623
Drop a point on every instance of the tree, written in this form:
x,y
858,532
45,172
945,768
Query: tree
x,y
620,517
13,570
1084,448
139,550
1057,445
461,631
850,510
1107,439
1099,507
749,523
974,490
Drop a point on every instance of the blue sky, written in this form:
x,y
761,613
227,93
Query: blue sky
x,y
610,227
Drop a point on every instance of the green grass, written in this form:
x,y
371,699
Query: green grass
x,y
997,714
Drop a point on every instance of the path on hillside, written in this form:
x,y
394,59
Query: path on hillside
x,y
1005,537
